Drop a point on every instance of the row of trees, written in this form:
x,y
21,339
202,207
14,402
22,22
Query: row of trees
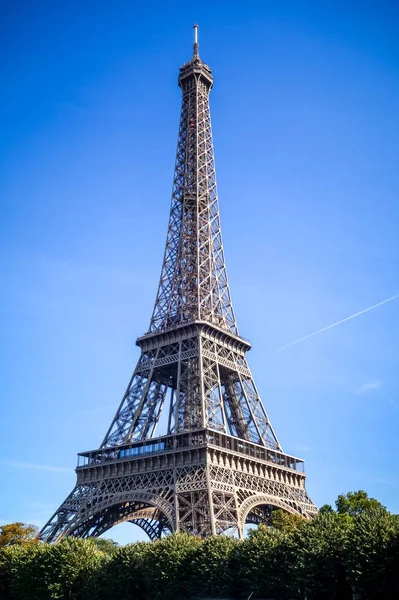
x,y
352,551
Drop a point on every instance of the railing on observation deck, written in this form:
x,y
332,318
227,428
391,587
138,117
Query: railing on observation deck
x,y
186,441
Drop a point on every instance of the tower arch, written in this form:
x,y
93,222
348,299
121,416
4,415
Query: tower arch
x,y
269,502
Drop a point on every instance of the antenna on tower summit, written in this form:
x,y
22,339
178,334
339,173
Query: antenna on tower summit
x,y
195,27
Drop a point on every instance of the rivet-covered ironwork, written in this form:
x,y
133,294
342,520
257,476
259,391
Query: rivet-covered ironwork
x,y
220,464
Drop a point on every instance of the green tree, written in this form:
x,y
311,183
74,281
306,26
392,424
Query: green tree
x,y
167,566
255,563
321,569
373,555
105,545
69,564
391,562
326,509
59,571
122,575
284,521
355,549
10,560
28,572
209,570
357,503
17,533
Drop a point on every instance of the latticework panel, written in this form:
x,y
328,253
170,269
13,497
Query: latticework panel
x,y
92,509
208,385
201,499
193,283
194,362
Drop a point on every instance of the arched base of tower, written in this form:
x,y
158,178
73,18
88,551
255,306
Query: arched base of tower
x,y
202,484
90,511
151,520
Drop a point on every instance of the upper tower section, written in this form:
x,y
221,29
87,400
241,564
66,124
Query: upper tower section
x,y
193,284
195,68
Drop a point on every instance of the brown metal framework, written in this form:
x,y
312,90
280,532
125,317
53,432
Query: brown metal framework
x,y
220,464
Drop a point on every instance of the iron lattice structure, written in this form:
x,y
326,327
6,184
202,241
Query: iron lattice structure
x,y
220,465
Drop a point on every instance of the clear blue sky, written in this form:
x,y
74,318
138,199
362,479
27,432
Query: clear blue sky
x,y
306,132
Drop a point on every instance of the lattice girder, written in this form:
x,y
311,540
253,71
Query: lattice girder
x,y
204,489
193,283
208,382
220,463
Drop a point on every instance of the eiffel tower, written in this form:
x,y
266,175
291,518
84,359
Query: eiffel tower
x,y
220,465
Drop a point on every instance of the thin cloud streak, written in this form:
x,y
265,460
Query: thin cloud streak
x,y
362,312
369,387
35,467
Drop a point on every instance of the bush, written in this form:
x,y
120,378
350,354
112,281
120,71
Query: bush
x,y
353,549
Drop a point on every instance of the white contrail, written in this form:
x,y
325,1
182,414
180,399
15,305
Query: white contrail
x,y
338,322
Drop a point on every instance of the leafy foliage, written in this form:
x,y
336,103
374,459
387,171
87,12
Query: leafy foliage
x,y
353,550
168,566
285,521
105,545
322,546
57,571
122,575
209,569
357,503
17,533
373,555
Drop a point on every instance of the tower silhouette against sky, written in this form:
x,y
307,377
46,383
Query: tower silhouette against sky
x,y
220,465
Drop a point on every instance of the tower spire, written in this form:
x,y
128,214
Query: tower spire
x,y
196,45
